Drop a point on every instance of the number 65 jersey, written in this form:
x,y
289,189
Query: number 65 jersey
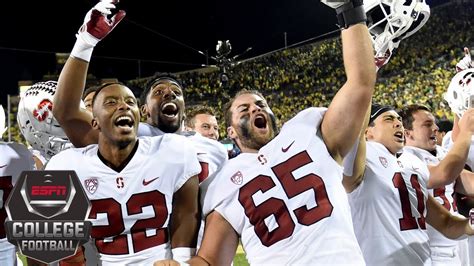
x,y
131,209
287,202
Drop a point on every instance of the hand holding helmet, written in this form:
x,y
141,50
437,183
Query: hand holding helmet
x,y
460,94
466,62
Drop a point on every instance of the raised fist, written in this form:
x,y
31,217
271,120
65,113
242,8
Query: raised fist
x,y
97,24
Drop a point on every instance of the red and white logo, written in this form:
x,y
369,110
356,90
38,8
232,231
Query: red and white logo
x,y
42,110
91,185
383,161
237,178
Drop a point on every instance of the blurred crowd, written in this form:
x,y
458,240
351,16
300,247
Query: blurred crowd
x,y
296,78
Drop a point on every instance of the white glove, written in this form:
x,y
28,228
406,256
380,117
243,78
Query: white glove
x,y
96,26
466,62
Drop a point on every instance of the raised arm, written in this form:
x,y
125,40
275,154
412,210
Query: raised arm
x,y
344,118
451,166
355,161
441,219
185,220
76,121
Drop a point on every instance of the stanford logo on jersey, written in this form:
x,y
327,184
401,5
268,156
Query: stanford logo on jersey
x,y
91,184
383,161
237,178
119,181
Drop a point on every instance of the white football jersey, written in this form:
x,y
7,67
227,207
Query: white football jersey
x,y
131,208
14,159
287,202
444,195
448,144
211,154
388,209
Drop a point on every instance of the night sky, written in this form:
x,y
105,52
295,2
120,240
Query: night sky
x,y
155,35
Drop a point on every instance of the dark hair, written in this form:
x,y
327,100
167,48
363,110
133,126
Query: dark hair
x,y
193,111
90,90
228,112
154,80
444,125
407,114
101,87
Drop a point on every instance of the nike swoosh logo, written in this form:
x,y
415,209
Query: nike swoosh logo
x,y
146,183
3,166
287,148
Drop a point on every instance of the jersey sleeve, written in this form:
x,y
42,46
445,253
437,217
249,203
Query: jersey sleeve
x,y
185,150
59,161
310,117
26,155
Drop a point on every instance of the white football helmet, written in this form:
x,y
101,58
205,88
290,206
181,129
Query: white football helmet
x,y
3,122
460,94
390,21
36,121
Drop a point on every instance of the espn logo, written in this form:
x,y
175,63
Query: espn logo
x,y
48,190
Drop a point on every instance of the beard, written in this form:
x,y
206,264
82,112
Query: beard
x,y
167,127
249,138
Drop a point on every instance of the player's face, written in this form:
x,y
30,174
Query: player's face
x,y
423,134
116,114
206,125
88,101
387,130
253,123
165,106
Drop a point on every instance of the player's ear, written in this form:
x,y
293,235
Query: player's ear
x,y
95,124
231,133
368,133
408,134
144,111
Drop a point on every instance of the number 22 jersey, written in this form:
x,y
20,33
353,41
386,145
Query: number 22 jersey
x,y
131,209
287,201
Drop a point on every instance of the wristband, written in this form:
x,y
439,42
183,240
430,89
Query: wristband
x,y
84,46
348,15
183,254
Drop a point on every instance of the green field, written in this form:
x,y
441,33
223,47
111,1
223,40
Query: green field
x,y
239,259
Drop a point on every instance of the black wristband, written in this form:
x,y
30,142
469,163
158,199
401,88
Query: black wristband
x,y
348,15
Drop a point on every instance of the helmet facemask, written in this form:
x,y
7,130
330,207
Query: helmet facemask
x,y
390,21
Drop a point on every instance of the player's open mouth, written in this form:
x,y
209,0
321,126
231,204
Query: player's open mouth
x,y
170,110
124,122
260,121
399,135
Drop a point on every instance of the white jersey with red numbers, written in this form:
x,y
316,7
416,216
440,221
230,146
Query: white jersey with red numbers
x,y
131,209
14,159
211,154
444,195
388,209
287,202
447,145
